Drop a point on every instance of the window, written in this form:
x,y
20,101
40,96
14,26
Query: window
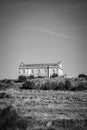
x,y
23,71
53,71
32,71
38,71
45,71
19,72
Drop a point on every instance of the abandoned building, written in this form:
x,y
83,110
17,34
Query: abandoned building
x,y
44,70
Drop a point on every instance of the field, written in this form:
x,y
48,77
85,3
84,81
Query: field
x,y
47,110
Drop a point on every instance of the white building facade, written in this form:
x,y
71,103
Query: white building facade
x,y
44,70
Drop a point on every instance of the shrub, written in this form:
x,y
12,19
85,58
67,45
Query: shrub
x,y
82,86
10,120
40,77
53,86
57,86
75,85
61,86
4,86
3,80
9,81
38,85
82,76
28,85
30,77
54,75
68,85
21,78
45,86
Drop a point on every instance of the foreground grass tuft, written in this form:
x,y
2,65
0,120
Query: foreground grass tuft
x,y
10,120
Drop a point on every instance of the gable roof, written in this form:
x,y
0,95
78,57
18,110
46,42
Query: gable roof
x,y
42,65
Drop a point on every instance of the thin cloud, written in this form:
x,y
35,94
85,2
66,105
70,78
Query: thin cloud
x,y
71,27
51,32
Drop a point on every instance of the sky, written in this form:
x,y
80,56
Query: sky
x,y
43,31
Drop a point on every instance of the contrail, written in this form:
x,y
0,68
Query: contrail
x,y
50,32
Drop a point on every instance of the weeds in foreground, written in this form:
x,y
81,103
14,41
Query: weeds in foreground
x,y
10,120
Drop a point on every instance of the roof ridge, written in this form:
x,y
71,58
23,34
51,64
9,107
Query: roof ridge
x,y
40,64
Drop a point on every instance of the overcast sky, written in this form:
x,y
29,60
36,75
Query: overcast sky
x,y
43,31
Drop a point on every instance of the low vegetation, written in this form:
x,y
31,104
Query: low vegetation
x,y
56,84
40,83
21,78
11,120
54,75
43,110
84,76
55,103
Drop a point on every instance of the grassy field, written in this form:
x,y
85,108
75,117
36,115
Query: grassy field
x,y
47,110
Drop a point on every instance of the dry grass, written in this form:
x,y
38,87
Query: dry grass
x,y
48,110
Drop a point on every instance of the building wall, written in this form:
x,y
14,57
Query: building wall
x,y
60,72
43,71
53,70
29,71
32,71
